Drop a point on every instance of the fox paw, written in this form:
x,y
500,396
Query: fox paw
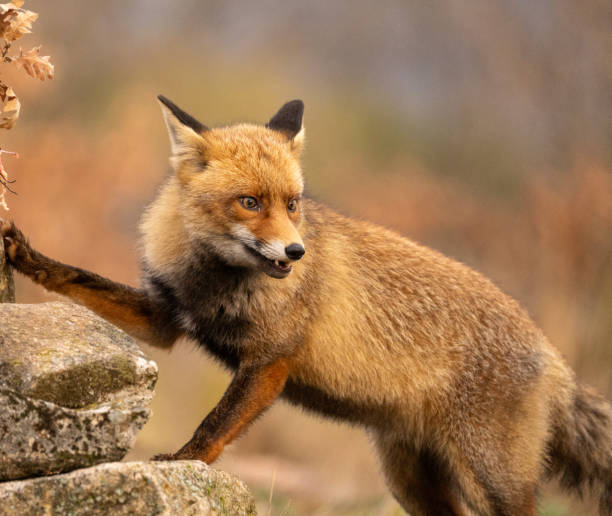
x,y
18,250
163,456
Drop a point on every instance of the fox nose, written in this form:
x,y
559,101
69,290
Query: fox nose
x,y
295,251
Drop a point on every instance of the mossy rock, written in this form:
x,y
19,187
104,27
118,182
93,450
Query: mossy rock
x,y
74,390
65,354
143,488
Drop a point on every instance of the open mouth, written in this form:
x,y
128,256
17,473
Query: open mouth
x,y
273,268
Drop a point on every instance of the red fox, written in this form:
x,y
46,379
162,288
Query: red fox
x,y
468,405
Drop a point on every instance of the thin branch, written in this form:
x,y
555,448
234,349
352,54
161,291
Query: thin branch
x,y
5,184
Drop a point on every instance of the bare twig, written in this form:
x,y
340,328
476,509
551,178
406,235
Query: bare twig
x,y
5,49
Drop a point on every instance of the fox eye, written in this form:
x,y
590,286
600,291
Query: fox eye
x,y
292,206
249,203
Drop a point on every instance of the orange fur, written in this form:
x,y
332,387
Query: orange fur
x,y
263,392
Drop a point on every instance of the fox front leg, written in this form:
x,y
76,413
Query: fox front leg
x,y
252,390
127,307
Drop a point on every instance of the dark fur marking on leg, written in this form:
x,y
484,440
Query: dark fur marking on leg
x,y
421,479
321,402
438,483
500,505
86,280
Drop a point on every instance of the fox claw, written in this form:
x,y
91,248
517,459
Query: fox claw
x,y
5,227
19,253
11,248
8,231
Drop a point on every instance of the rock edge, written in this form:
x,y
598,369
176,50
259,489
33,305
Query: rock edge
x,y
143,488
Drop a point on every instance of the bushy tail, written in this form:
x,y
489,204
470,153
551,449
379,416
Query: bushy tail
x,y
581,447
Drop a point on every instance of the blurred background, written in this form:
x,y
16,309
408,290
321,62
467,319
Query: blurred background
x,y
483,129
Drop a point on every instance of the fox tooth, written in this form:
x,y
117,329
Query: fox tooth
x,y
276,262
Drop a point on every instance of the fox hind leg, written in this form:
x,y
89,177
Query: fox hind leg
x,y
420,480
425,483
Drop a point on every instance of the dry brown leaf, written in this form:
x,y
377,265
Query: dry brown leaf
x,y
35,65
7,13
12,106
20,25
15,4
14,21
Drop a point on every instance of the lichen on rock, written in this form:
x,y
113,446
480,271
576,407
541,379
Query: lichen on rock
x,y
67,355
144,488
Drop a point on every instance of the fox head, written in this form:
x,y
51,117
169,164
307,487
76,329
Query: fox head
x,y
241,186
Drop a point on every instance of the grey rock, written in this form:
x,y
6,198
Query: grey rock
x,y
74,390
7,285
142,488
40,438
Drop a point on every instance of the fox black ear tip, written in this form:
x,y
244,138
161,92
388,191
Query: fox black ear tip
x,y
164,100
297,108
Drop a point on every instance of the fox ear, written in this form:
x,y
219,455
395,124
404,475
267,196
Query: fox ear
x,y
184,130
288,120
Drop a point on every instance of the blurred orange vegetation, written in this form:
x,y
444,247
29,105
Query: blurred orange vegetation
x,y
540,228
